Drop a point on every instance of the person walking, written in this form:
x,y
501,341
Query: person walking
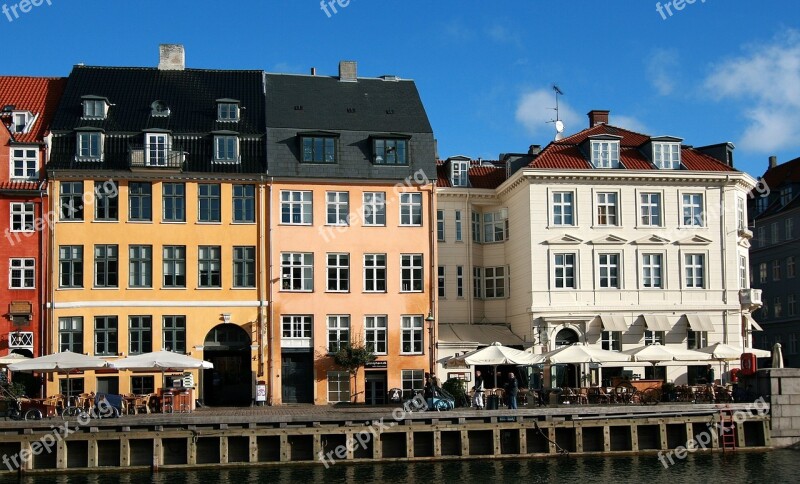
x,y
513,390
477,396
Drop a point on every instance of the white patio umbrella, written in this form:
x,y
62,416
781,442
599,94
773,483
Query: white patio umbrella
x,y
722,352
496,355
160,360
777,356
656,353
12,358
584,354
64,362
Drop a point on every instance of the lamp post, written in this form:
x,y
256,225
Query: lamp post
x,y
430,320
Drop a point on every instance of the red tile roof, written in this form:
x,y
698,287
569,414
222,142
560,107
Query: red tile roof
x,y
21,185
483,176
39,95
566,154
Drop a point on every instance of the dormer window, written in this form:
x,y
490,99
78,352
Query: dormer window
x,y
20,121
227,111
318,148
605,154
95,107
667,156
459,173
226,149
157,148
390,151
90,146
786,195
159,109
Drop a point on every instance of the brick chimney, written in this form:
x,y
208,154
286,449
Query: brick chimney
x,y
597,116
348,71
172,57
773,162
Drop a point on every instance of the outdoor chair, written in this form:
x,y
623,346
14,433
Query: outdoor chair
x,y
582,397
142,404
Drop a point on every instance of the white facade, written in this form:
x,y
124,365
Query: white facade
x,y
656,249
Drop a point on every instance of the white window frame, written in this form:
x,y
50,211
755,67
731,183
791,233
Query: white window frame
x,y
495,226
300,326
605,153
297,261
559,208
376,332
440,226
29,165
410,209
603,201
656,270
652,337
741,214
695,262
224,111
744,280
412,329
477,282
459,226
300,203
609,263
413,379
573,264
95,109
85,141
651,210
226,139
338,272
475,219
337,204
339,390
495,282
21,270
700,339
410,266
667,156
374,209
22,125
373,265
23,216
156,149
338,331
459,173
696,211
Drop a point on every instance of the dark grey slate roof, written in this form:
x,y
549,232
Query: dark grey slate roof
x,y
191,96
325,103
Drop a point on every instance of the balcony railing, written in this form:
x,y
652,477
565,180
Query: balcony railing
x,y
139,157
20,340
750,298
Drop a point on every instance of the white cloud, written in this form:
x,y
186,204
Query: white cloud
x,y
535,110
766,79
503,35
662,66
628,122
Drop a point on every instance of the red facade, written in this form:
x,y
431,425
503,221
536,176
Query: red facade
x,y
27,106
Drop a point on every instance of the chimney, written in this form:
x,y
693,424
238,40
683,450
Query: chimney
x,y
535,149
172,57
348,71
313,71
597,116
773,162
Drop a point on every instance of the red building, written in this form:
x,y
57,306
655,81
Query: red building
x,y
27,106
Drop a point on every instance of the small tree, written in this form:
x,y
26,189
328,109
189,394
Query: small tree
x,y
351,358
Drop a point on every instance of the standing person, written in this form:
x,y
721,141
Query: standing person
x,y
477,397
710,376
427,390
513,390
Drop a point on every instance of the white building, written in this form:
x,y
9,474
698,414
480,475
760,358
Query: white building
x,y
607,237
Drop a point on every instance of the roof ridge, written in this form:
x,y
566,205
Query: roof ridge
x,y
188,69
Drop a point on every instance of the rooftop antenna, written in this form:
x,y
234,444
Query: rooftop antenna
x,y
559,124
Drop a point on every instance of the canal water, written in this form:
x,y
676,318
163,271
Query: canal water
x,y
768,467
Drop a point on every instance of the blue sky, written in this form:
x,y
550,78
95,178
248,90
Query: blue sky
x,y
717,70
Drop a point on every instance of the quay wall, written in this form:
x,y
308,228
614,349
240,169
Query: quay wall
x,y
192,440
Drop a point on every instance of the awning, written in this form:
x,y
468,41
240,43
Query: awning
x,y
657,323
751,323
477,334
613,322
700,322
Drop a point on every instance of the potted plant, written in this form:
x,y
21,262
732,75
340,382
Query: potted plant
x,y
668,393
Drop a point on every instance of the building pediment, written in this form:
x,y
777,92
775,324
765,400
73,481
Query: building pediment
x,y
652,240
609,239
695,240
565,240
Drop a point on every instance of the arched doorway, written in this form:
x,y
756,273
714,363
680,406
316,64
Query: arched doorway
x,y
32,384
230,383
565,375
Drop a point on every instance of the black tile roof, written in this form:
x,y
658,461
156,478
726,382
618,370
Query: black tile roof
x,y
191,96
326,103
